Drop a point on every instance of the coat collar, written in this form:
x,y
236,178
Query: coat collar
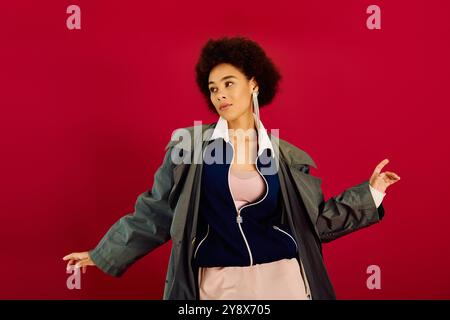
x,y
221,131
200,135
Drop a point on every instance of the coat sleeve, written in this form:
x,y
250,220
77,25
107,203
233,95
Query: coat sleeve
x,y
136,234
347,212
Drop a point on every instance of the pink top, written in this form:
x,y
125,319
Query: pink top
x,y
246,186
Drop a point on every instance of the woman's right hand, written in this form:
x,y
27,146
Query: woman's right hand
x,y
80,259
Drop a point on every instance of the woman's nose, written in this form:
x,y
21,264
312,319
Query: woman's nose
x,y
219,93
220,96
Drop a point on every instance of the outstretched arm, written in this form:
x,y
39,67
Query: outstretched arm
x,y
356,207
136,234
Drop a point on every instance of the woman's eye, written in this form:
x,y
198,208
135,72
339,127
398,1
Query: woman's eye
x,y
212,89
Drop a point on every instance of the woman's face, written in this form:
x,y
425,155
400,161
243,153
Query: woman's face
x,y
231,91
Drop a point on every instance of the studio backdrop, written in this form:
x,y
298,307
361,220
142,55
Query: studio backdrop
x,y
91,91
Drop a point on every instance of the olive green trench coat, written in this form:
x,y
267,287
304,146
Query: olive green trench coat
x,y
169,211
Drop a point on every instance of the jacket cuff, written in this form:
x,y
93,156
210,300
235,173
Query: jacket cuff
x,y
372,201
377,195
103,264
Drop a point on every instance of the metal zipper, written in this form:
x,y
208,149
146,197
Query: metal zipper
x,y
305,280
207,232
239,217
277,228
302,268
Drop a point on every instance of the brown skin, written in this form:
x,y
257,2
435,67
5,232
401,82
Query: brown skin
x,y
241,123
79,259
238,91
381,180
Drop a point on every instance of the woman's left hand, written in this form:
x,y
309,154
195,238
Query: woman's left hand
x,y
381,180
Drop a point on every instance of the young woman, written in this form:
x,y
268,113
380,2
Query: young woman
x,y
246,219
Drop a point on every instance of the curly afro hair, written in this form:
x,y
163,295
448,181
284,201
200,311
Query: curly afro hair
x,y
245,55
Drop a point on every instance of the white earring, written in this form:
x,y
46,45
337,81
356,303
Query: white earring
x,y
256,107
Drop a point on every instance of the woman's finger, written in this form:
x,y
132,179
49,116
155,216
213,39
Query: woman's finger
x,y
73,262
392,176
67,257
73,255
79,264
70,264
380,166
84,262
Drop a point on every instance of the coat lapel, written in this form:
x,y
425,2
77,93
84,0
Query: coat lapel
x,y
185,194
307,186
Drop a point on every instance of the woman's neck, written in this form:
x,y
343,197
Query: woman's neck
x,y
244,122
244,137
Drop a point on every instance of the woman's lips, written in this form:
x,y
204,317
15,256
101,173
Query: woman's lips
x,y
225,107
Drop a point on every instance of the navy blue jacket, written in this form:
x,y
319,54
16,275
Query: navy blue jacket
x,y
259,237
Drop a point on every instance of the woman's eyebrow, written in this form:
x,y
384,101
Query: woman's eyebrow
x,y
224,78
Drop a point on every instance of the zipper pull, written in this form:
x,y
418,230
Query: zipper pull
x,y
239,219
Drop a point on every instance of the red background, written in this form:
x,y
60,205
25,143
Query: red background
x,y
86,114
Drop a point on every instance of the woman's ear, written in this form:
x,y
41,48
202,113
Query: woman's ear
x,y
254,85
